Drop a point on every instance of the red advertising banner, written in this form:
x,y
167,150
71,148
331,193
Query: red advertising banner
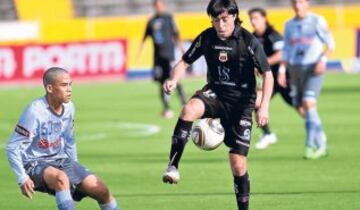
x,y
90,59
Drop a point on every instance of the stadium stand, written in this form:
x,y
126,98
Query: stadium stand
x,y
96,8
7,10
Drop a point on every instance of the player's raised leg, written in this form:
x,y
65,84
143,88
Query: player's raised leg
x,y
192,110
97,190
241,180
58,181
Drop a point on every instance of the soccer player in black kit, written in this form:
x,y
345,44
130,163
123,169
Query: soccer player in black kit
x,y
164,33
232,54
272,43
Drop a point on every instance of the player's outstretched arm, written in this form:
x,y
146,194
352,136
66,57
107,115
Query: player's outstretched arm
x,y
177,73
281,78
263,112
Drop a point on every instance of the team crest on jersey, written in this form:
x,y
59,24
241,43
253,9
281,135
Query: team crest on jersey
x,y
223,56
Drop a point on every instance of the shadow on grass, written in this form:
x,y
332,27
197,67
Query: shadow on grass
x,y
231,193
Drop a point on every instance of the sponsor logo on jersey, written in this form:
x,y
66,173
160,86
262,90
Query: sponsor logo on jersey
x,y
223,56
245,123
246,136
22,131
46,144
217,47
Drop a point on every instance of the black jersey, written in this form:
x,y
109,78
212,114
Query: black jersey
x,y
231,62
163,32
272,42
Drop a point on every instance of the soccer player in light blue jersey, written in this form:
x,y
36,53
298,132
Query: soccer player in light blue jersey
x,y
42,149
307,46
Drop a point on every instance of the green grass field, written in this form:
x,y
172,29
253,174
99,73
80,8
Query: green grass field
x,y
112,142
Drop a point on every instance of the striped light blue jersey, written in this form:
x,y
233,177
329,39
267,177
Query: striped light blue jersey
x,y
41,135
304,40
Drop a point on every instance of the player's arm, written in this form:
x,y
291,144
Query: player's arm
x,y
277,46
261,63
191,55
19,141
146,34
326,37
178,72
176,35
70,144
281,78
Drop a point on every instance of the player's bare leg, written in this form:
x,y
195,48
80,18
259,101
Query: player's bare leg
x,y
194,109
97,190
238,165
267,137
315,137
58,181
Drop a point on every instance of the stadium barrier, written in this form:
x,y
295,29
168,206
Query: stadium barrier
x,y
60,26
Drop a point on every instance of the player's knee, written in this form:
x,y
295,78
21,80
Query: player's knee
x,y
308,104
103,194
190,112
239,167
61,181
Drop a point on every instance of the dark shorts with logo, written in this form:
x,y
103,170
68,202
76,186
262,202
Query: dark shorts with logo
x,y
235,118
75,172
162,69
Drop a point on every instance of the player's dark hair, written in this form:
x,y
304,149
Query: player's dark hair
x,y
51,73
262,12
216,7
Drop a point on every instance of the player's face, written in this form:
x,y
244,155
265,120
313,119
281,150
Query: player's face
x,y
61,89
159,6
258,22
300,7
224,25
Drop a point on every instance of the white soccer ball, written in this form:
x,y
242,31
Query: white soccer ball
x,y
208,134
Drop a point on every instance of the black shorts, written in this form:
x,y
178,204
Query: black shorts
x,y
75,172
284,92
235,118
162,69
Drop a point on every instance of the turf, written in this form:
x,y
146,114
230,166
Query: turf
x,y
113,145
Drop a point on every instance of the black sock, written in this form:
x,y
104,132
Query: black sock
x,y
266,129
181,93
242,191
179,140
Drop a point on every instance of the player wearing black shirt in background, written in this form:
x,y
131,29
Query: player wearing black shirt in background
x,y
165,35
231,54
272,43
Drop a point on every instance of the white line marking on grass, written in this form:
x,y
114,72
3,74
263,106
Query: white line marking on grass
x,y
138,129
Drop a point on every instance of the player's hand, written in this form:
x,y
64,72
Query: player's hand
x,y
281,78
169,86
262,116
27,188
320,68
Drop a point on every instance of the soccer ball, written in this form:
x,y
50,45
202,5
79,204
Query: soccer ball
x,y
208,134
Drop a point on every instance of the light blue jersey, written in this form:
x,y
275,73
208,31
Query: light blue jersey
x,y
41,135
304,40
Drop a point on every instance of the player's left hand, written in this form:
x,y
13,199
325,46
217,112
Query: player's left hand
x,y
262,116
27,188
320,68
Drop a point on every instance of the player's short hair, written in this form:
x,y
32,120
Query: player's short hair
x,y
51,73
216,7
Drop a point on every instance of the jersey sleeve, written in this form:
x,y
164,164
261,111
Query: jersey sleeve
x,y
69,137
259,56
324,33
147,30
174,28
195,50
277,41
285,53
20,140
